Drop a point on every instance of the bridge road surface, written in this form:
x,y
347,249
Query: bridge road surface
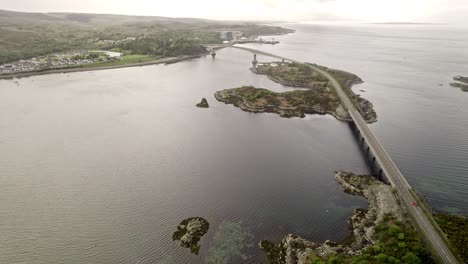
x,y
397,180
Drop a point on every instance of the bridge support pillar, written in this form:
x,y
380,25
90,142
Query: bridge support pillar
x,y
254,62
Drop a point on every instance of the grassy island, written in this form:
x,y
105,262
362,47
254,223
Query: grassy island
x,y
287,104
321,100
304,76
292,74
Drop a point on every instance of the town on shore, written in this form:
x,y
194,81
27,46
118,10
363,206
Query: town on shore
x,y
99,41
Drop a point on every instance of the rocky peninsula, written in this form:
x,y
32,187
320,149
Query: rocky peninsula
x,y
379,232
318,97
291,74
190,231
320,100
462,83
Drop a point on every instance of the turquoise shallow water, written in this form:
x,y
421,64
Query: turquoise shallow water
x,y
100,167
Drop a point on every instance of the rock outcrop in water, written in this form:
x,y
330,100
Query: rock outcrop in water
x,y
462,83
189,233
382,203
203,103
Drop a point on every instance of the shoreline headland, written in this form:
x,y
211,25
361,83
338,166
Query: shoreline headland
x,y
287,104
317,97
372,230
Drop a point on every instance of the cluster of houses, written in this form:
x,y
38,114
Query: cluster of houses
x,y
231,35
236,37
57,61
113,42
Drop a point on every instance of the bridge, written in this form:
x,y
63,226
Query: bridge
x,y
388,167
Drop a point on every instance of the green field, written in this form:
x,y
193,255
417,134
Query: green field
x,y
126,59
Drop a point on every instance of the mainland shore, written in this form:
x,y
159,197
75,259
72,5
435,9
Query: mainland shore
x,y
168,60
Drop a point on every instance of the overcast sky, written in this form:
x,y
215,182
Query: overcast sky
x,y
445,11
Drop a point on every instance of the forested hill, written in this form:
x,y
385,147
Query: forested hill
x,y
25,35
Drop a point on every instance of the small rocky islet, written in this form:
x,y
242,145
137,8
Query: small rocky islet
x,y
203,103
190,231
317,97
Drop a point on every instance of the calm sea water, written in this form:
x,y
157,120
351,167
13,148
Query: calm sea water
x,y
423,122
100,167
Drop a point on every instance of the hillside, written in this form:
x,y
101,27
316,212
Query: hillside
x,y
25,35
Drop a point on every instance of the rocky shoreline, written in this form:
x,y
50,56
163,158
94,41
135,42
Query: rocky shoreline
x,y
382,203
189,233
462,83
304,76
289,104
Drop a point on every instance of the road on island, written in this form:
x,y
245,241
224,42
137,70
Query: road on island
x,y
394,175
397,180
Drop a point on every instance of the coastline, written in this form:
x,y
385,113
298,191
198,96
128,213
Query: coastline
x,y
383,207
168,60
317,98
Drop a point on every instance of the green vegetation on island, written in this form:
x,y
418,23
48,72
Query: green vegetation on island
x,y
382,233
456,229
292,74
453,229
189,233
286,104
303,75
396,242
319,97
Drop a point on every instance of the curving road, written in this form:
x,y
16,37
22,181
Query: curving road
x,y
397,180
